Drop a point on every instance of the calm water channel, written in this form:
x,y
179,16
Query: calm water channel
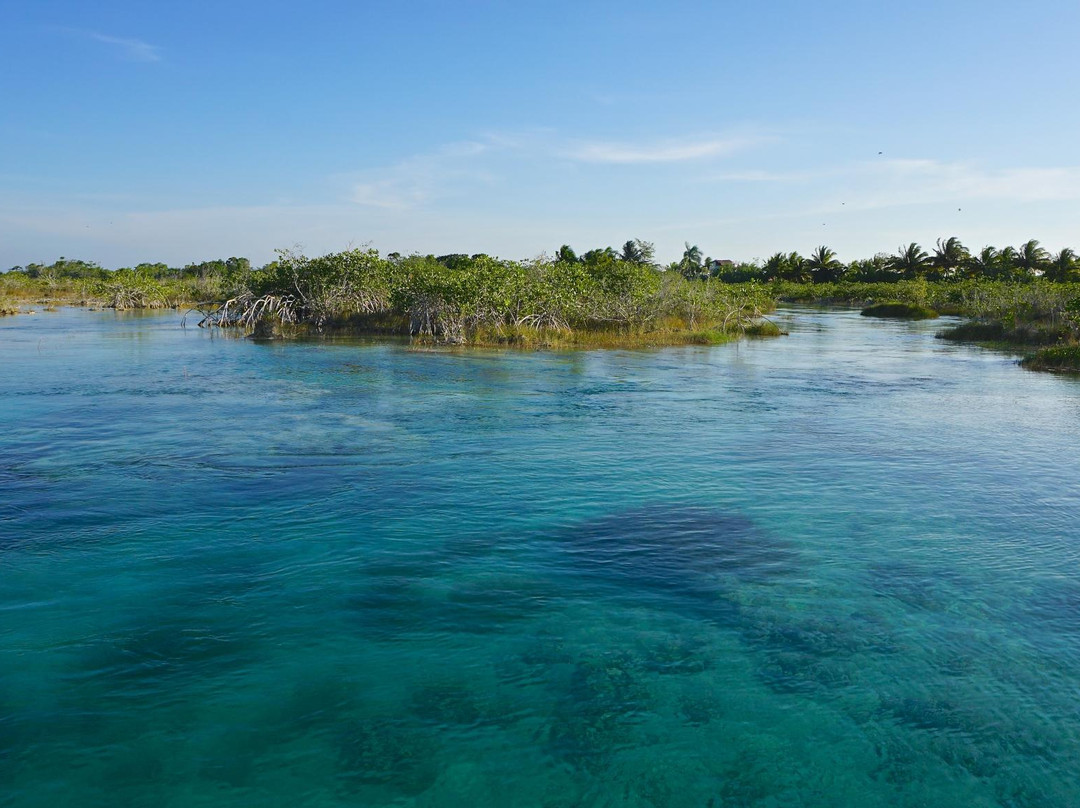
x,y
834,569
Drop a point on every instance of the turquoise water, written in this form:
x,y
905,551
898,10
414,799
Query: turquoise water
x,y
833,569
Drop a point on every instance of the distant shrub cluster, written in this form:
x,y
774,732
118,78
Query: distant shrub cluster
x,y
143,286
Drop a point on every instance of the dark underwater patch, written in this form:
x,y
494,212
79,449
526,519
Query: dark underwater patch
x,y
1055,604
682,552
162,652
446,704
976,738
392,607
676,652
493,603
918,587
384,751
308,706
797,654
699,707
596,711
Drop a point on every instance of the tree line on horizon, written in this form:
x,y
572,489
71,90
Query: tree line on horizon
x,y
948,260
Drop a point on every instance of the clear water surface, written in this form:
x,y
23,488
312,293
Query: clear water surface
x,y
833,569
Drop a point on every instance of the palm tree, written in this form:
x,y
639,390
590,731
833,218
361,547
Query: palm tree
x,y
599,256
795,268
1063,267
566,254
871,270
692,254
630,252
637,251
949,256
1031,258
823,265
910,261
774,266
984,264
690,265
1005,266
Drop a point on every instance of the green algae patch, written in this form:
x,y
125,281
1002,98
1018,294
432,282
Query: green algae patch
x,y
897,310
1056,358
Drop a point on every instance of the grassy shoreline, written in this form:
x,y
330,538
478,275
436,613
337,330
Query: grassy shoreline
x,y
1055,359
661,335
1015,316
599,301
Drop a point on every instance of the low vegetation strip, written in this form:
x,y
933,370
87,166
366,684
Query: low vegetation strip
x,y
1010,296
899,311
1056,358
604,300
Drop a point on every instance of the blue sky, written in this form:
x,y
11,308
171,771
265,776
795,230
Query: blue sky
x,y
134,131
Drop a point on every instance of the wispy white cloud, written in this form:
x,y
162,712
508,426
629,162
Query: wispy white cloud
x,y
135,50
924,179
421,178
884,183
457,168
757,175
659,152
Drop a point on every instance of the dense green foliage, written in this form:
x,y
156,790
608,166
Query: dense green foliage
x,y
949,260
1059,358
1037,311
457,298
146,285
899,311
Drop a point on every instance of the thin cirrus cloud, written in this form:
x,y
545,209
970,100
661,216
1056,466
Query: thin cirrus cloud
x,y
913,181
455,168
134,50
662,152
964,181
418,179
932,182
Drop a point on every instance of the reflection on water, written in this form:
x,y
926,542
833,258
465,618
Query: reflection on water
x,y
838,568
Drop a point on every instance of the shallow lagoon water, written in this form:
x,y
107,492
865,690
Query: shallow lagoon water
x,y
836,568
